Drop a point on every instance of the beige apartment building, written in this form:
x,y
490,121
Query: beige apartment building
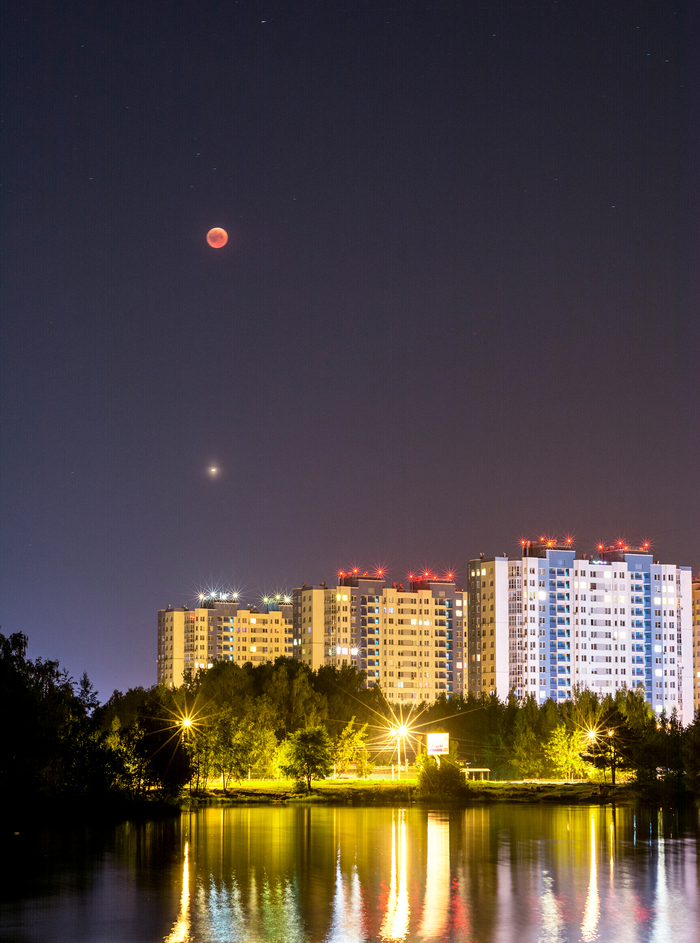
x,y
219,629
410,642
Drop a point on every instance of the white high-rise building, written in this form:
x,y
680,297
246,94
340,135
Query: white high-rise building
x,y
549,621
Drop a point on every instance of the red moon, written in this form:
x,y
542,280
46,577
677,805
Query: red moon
x,y
217,238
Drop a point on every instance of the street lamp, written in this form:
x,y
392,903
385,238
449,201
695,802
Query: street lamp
x,y
611,734
400,732
605,747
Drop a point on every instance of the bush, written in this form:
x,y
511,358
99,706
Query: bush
x,y
445,780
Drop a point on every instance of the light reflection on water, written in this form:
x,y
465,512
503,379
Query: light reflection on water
x,y
307,874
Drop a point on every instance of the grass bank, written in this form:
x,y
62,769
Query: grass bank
x,y
369,792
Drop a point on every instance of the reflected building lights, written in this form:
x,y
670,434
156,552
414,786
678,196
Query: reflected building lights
x,y
552,923
661,902
181,930
592,910
347,921
612,854
398,911
254,889
222,911
279,913
437,885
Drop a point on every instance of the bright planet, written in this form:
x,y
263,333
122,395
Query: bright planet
x,y
217,238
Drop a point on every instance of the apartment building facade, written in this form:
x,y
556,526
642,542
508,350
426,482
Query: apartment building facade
x,y
409,641
220,629
616,619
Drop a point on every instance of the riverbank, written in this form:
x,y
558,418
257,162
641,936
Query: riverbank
x,y
363,792
20,818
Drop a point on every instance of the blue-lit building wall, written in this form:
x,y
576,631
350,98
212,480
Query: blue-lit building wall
x,y
559,565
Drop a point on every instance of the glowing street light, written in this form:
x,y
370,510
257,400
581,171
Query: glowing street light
x,y
400,732
606,742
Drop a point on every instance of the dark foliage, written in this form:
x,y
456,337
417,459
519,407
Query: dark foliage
x,y
57,744
50,742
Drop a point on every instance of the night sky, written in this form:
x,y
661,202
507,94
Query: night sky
x,y
459,304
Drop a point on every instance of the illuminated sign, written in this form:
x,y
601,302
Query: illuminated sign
x,y
438,744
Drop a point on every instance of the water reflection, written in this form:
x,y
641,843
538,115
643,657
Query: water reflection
x,y
396,917
347,921
437,884
181,931
355,876
308,874
552,921
592,911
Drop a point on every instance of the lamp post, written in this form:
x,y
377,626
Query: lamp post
x,y
400,734
611,734
605,747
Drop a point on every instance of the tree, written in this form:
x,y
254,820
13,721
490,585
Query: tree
x,y
308,755
87,695
165,760
232,747
49,745
263,752
289,691
527,752
691,754
200,744
563,751
349,746
532,727
345,695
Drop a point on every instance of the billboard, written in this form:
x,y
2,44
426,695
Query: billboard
x,y
438,744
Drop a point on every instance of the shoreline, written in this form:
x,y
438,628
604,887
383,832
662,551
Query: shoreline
x,y
109,811
373,793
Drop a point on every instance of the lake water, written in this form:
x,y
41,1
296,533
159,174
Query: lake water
x,y
301,874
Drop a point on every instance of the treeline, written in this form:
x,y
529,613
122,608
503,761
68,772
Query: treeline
x,y
230,723
60,744
50,743
582,737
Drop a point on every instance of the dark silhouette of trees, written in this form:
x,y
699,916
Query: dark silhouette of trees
x,y
230,722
